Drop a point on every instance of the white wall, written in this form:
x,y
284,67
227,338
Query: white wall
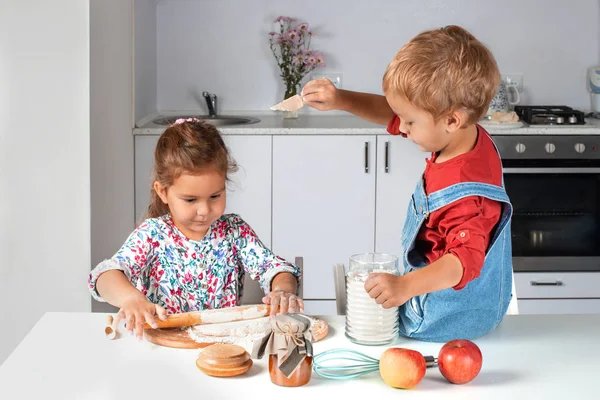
x,y
111,58
44,163
145,57
222,46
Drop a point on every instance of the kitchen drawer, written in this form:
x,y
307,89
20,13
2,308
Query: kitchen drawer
x,y
567,285
320,307
559,306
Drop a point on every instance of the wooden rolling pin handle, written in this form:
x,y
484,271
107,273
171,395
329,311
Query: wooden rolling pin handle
x,y
178,320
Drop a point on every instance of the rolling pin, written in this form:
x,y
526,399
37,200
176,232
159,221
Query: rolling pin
x,y
229,314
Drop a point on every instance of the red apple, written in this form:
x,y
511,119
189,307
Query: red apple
x,y
460,361
402,368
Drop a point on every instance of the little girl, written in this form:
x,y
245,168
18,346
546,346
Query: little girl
x,y
187,255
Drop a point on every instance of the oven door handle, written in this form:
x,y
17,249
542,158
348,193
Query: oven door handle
x,y
553,283
526,170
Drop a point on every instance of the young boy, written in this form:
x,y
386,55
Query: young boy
x,y
457,244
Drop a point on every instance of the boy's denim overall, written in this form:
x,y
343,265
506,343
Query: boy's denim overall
x,y
479,307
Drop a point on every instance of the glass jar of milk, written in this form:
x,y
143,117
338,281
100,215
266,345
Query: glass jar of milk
x,y
366,321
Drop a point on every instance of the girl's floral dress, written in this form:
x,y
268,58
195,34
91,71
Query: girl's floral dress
x,y
184,275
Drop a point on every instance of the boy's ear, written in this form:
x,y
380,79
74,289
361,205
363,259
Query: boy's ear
x,y
161,191
456,120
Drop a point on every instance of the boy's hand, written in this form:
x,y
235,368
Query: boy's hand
x,y
387,289
321,94
136,310
283,302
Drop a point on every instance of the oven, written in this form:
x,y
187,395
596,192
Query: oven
x,y
553,182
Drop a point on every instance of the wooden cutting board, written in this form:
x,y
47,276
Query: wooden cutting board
x,y
180,339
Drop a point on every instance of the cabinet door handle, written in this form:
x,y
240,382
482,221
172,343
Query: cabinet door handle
x,y
555,283
366,157
387,157
299,261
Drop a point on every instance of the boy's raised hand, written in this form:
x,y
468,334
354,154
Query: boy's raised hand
x,y
321,94
387,289
136,310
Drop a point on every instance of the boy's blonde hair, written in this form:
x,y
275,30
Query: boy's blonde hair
x,y
444,70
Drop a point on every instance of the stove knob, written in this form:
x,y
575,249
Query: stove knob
x,y
580,147
572,119
550,148
520,148
560,120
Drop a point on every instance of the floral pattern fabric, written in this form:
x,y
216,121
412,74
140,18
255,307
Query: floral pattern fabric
x,y
184,275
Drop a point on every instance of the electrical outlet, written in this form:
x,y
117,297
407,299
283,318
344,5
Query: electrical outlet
x,y
514,80
336,79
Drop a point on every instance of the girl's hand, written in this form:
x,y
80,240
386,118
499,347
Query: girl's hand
x,y
284,302
136,310
387,289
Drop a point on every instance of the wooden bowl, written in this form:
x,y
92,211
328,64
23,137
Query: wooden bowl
x,y
222,359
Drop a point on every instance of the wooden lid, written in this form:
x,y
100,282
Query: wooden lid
x,y
223,359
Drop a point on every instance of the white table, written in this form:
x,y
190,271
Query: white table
x,y
66,356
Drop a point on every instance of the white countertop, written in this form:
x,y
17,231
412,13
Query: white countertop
x,y
66,356
273,123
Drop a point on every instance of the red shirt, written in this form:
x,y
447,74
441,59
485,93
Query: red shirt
x,y
463,228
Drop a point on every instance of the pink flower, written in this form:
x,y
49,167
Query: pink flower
x,y
299,59
320,61
302,27
284,19
293,36
281,39
272,33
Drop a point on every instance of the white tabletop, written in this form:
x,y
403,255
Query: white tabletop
x,y
66,356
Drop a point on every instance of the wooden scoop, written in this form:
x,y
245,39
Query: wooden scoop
x,y
293,103
213,316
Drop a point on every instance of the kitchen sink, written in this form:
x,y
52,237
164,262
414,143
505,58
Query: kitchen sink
x,y
219,120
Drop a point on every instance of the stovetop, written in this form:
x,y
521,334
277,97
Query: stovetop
x,y
550,115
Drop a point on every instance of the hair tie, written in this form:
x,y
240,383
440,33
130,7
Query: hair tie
x,y
182,120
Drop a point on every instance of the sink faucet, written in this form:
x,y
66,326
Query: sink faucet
x,y
211,102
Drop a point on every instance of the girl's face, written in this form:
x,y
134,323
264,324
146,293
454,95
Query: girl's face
x,y
195,201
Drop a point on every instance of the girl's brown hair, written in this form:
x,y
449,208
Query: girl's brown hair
x,y
189,147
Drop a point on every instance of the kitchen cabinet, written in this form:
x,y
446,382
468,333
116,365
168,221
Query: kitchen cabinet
x,y
558,292
323,203
400,164
559,306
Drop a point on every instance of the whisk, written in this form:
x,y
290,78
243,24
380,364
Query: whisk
x,y
362,364
347,364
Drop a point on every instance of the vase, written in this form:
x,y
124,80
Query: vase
x,y
290,90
